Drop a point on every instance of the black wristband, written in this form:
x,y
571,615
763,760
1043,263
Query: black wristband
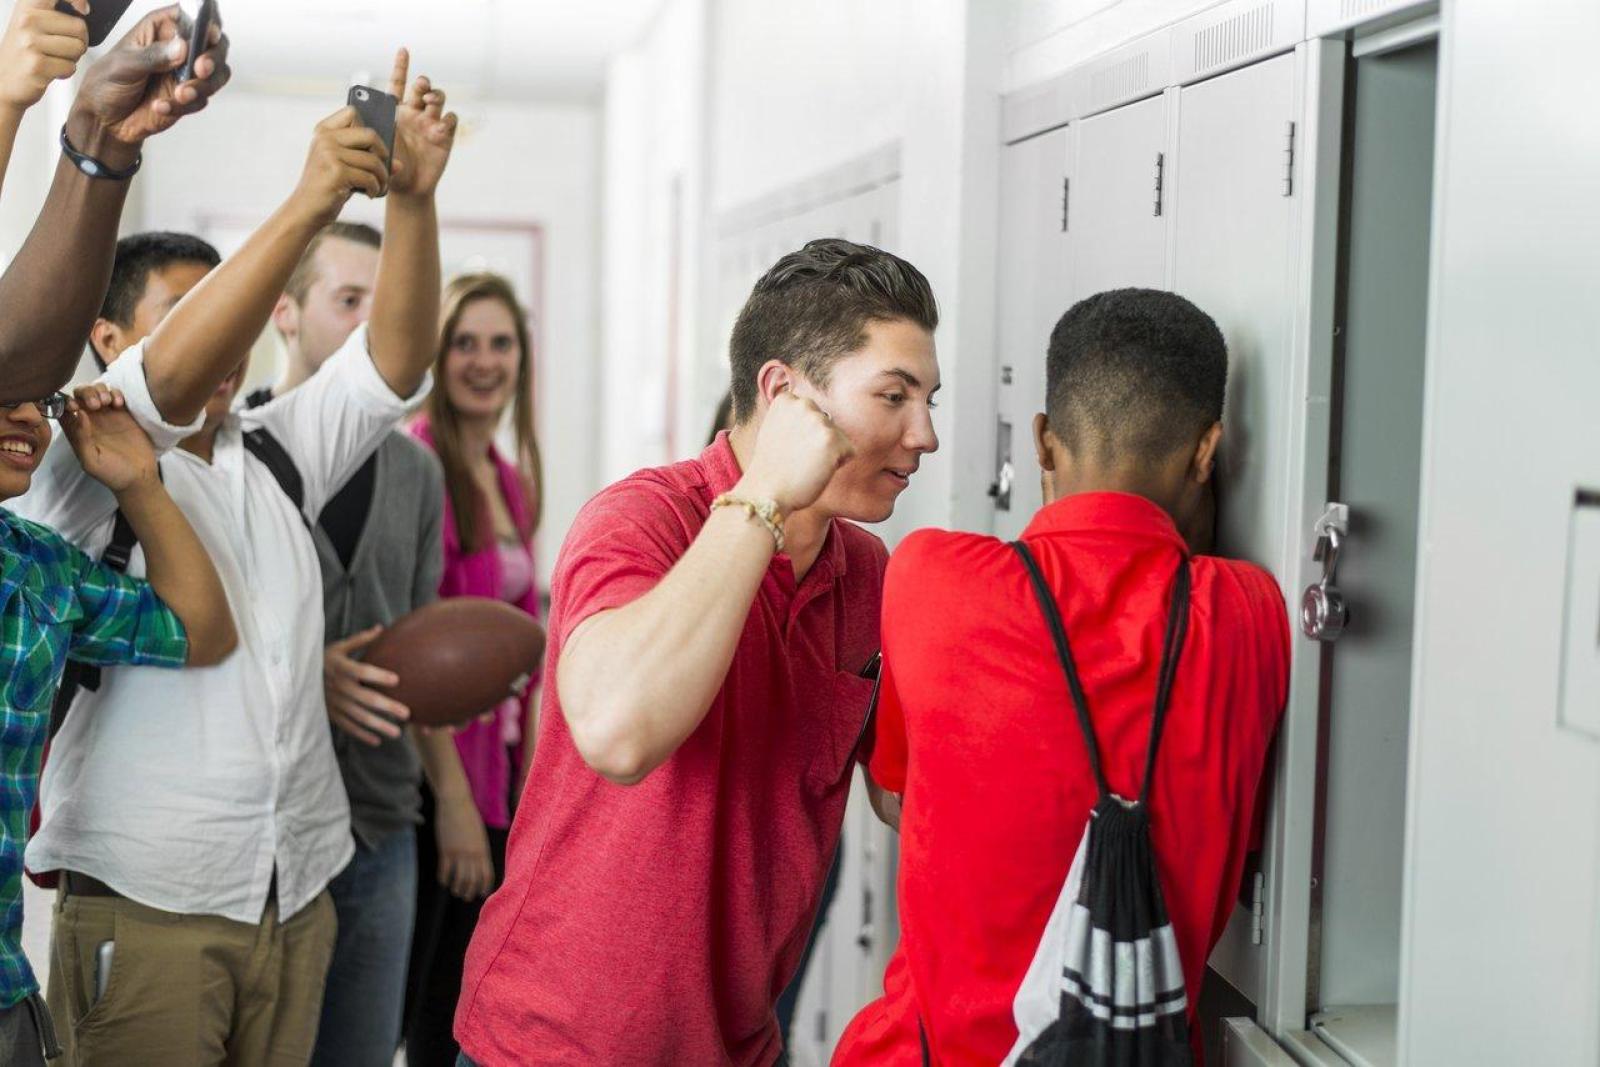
x,y
93,167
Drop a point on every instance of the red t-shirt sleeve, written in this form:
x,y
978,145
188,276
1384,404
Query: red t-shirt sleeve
x,y
622,543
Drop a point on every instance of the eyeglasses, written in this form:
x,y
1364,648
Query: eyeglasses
x,y
51,407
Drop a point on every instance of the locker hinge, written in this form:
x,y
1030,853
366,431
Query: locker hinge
x,y
822,1026
1161,168
1288,161
1066,200
1257,910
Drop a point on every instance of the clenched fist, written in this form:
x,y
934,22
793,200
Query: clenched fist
x,y
797,451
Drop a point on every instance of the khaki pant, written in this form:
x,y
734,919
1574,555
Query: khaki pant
x,y
190,990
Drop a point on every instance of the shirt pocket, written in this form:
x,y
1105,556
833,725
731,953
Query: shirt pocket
x,y
844,710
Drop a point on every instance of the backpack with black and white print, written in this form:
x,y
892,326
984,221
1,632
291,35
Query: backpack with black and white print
x,y
1106,985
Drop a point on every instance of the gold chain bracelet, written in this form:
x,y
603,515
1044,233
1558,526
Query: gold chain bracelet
x,y
763,511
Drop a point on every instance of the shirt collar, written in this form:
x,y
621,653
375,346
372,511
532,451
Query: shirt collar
x,y
14,560
1116,512
721,470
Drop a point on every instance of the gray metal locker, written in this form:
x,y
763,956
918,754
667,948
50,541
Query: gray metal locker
x,y
1035,288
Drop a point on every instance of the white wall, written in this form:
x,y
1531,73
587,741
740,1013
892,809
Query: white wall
x,y
803,87
652,232
514,164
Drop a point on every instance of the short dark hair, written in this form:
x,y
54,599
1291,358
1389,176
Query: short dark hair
x,y
1136,373
305,271
139,254
813,307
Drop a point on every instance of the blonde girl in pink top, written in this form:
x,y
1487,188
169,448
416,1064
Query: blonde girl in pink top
x,y
484,369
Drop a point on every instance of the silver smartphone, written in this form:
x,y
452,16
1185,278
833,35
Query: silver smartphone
x,y
102,968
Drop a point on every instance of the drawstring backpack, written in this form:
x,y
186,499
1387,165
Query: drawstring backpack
x,y
1106,986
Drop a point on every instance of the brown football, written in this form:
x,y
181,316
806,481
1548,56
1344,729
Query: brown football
x,y
459,657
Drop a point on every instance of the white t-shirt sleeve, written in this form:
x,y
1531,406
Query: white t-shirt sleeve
x,y
127,374
332,423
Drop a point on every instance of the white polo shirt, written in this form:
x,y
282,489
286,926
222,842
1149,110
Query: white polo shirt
x,y
185,790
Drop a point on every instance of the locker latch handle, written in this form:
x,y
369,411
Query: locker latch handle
x,y
1323,612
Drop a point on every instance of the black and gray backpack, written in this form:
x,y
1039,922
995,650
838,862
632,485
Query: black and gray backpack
x,y
1106,985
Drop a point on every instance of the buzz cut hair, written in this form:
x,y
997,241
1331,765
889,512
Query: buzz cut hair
x,y
1134,374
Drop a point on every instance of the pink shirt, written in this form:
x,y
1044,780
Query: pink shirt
x,y
484,573
655,925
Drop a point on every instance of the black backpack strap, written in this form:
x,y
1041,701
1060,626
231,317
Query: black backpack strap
x,y
1172,652
267,448
79,675
1058,632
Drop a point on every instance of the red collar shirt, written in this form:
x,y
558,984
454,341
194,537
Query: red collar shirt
x,y
657,924
976,729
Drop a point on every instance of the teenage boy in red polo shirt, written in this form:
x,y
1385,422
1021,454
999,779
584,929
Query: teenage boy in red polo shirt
x,y
709,624
976,730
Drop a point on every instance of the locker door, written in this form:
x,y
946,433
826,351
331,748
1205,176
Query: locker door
x,y
1034,289
1234,252
1119,212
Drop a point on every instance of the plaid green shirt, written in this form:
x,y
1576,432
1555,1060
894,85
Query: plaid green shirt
x,y
55,602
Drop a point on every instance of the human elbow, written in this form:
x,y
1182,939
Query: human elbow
x,y
611,746
212,642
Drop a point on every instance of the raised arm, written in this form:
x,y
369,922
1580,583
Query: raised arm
x,y
51,292
210,332
116,452
636,681
41,45
405,304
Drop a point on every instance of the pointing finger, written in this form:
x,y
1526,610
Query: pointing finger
x,y
397,76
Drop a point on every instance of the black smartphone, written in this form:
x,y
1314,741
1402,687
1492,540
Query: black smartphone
x,y
375,108
195,18
103,17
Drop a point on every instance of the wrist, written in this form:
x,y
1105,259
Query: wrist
x,y
411,200
94,138
138,493
755,490
301,218
761,512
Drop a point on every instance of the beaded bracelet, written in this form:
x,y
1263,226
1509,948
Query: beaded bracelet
x,y
763,511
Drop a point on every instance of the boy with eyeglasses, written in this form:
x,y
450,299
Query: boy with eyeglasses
x,y
56,603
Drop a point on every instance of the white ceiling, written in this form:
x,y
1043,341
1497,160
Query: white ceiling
x,y
482,49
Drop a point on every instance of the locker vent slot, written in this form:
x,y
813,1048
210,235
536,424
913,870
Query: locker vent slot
x,y
1120,80
1235,38
1351,9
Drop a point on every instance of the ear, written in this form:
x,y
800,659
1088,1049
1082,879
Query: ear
x,y
286,316
105,337
1205,454
773,378
1043,439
